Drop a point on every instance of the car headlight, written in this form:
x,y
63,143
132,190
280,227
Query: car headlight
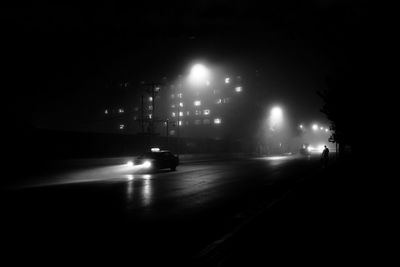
x,y
147,164
129,163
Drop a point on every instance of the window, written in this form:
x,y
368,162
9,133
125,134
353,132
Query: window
x,y
238,89
197,103
206,112
217,121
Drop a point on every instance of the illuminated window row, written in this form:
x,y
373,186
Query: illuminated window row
x,y
205,112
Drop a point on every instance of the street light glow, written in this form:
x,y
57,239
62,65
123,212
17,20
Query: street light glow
x,y
315,127
276,118
199,75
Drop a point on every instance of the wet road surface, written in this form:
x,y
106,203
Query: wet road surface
x,y
118,212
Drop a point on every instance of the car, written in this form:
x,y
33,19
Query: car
x,y
157,159
305,150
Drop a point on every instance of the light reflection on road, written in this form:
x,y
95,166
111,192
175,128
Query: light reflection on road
x,y
139,188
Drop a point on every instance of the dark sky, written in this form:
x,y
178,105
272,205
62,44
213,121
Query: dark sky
x,y
62,61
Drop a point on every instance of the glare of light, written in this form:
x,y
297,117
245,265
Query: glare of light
x,y
238,89
146,176
273,158
276,117
227,80
315,127
146,164
309,148
301,126
197,103
206,112
129,163
155,149
321,128
217,121
130,177
326,130
320,148
199,74
106,111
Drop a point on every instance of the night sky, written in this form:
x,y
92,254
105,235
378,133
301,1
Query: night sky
x,y
62,62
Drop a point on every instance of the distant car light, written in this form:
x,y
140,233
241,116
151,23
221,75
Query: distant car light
x,y
129,163
155,149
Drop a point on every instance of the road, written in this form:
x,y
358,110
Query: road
x,y
119,213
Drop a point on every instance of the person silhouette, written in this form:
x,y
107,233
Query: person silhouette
x,y
325,156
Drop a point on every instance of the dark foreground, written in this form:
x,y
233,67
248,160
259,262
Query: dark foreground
x,y
246,212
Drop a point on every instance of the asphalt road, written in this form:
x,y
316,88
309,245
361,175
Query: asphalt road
x,y
118,213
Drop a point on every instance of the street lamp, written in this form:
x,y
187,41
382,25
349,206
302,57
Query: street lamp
x,y
276,118
199,75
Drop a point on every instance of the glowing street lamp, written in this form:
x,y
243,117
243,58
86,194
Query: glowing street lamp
x,y
199,75
276,118
315,127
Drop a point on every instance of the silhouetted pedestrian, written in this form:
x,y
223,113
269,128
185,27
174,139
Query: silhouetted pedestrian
x,y
325,157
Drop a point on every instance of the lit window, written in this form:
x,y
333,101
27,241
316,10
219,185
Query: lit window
x,y
226,100
227,80
172,132
106,111
219,101
150,107
157,89
197,103
181,104
206,121
206,112
150,98
181,114
180,123
238,89
187,113
121,126
120,110
197,112
173,114
172,106
217,121
180,95
150,116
